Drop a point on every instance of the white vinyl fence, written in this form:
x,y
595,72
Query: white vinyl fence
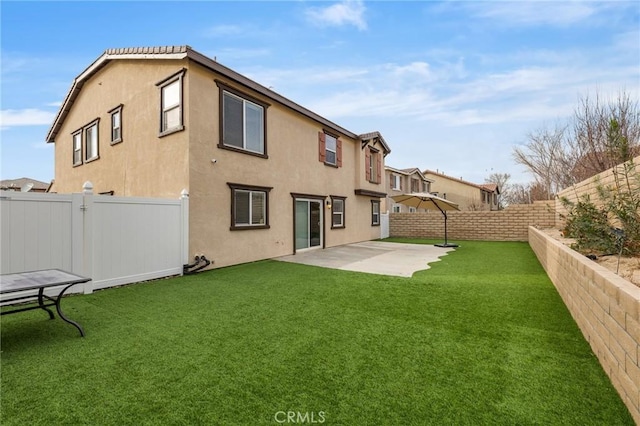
x,y
384,225
113,240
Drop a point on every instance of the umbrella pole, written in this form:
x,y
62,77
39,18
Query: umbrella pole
x,y
445,229
446,243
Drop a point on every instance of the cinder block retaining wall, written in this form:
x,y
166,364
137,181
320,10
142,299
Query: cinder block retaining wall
x,y
589,187
510,224
605,307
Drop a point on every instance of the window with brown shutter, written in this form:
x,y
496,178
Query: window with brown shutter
x,y
373,166
367,164
321,147
329,149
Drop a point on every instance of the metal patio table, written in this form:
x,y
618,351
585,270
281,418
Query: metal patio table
x,y
40,280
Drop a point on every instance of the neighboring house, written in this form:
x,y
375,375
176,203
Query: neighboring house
x,y
468,196
404,181
266,177
24,184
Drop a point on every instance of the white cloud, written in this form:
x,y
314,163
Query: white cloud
x,y
347,12
25,117
535,13
415,68
419,91
627,41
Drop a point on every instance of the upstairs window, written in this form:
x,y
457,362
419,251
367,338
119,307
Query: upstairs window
x,y
77,148
396,182
242,121
171,99
243,124
329,149
415,185
373,165
91,141
116,125
171,106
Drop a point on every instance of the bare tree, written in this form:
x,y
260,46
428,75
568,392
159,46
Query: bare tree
x,y
526,193
599,136
502,180
519,194
603,134
545,156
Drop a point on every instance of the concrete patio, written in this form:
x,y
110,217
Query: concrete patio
x,y
374,257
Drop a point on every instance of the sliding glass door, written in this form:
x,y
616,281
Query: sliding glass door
x,y
308,224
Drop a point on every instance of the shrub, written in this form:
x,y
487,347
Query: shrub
x,y
616,220
590,227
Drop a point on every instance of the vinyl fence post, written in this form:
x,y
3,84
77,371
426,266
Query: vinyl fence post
x,y
87,241
184,217
77,233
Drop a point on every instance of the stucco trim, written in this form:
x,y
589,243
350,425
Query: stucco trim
x,y
369,193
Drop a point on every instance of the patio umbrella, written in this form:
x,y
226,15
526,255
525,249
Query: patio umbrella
x,y
424,200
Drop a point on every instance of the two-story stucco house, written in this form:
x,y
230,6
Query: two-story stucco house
x,y
266,177
468,196
404,181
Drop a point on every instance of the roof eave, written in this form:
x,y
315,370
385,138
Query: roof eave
x,y
186,51
257,87
378,138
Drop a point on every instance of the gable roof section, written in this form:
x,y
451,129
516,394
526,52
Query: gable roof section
x,y
182,52
442,175
491,187
414,170
408,172
376,137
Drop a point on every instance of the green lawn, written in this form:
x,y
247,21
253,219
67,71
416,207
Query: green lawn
x,y
480,338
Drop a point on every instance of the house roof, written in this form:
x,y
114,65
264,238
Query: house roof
x,y
182,52
16,184
484,187
491,187
377,138
408,172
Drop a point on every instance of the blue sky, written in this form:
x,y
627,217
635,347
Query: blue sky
x,y
451,85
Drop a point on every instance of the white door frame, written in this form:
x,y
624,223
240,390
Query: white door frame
x,y
320,203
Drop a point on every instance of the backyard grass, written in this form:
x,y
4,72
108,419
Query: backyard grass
x,y
480,338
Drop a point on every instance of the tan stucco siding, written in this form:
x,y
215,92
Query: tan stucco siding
x,y
146,165
142,164
466,196
292,166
